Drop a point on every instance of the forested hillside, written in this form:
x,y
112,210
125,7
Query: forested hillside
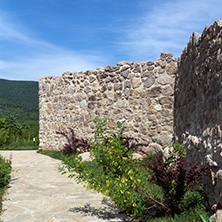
x,y
23,93
18,112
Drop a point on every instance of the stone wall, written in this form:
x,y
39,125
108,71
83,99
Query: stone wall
x,y
198,104
156,100
139,94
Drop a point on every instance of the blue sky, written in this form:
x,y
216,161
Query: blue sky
x,y
49,37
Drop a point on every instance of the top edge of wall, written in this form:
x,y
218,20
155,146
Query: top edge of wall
x,y
209,33
120,66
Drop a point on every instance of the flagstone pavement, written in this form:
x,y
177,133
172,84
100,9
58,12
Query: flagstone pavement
x,y
38,192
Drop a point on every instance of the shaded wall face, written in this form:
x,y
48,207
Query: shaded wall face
x,y
198,104
139,94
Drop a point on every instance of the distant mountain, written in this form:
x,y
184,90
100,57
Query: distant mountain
x,y
19,98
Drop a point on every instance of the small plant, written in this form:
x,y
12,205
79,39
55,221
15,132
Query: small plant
x,y
74,143
176,176
116,174
204,219
5,170
191,200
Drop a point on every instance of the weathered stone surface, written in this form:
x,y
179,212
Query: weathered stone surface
x,y
154,147
71,106
95,86
100,69
158,107
154,91
164,55
167,91
197,104
49,105
165,100
125,73
136,94
164,139
152,117
71,89
118,86
124,68
92,78
122,63
127,84
127,93
137,156
86,156
91,105
151,132
217,217
103,88
136,82
164,79
83,104
92,98
149,81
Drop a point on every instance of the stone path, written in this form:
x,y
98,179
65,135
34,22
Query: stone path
x,y
38,193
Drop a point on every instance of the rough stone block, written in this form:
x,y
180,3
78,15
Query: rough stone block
x,y
136,82
164,79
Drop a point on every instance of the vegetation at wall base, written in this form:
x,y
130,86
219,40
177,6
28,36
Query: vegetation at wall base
x,y
130,182
26,146
5,170
74,143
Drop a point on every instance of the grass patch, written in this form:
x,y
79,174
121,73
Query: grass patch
x,y
28,146
51,153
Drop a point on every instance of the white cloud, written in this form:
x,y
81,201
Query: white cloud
x,y
33,68
167,26
36,57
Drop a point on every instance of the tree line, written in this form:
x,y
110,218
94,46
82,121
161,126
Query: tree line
x,y
14,133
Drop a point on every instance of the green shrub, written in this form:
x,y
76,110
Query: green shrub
x,y
191,200
4,136
176,176
5,170
116,174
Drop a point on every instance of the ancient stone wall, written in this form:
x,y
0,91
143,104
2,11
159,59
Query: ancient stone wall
x,y
139,94
198,104
143,95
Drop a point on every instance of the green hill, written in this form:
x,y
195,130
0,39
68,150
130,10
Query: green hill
x,y
19,114
19,98
23,93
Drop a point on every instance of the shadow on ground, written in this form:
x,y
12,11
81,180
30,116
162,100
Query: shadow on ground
x,y
109,211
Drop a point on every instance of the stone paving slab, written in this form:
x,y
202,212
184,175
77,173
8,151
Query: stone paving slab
x,y
39,193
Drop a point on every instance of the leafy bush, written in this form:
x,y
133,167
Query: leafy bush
x,y
4,136
116,174
109,149
74,144
191,200
176,176
5,170
15,135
